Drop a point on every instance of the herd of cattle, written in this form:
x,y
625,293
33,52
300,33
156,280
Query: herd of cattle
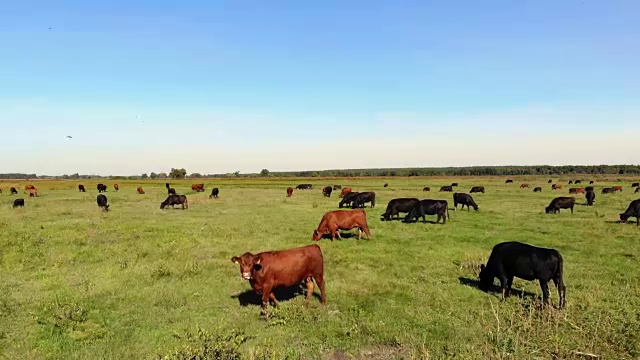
x,y
267,271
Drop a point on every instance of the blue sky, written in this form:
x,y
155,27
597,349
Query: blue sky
x,y
293,85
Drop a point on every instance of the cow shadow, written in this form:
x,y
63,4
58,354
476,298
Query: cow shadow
x,y
344,235
495,289
250,297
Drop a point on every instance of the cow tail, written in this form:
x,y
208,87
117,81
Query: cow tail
x,y
562,289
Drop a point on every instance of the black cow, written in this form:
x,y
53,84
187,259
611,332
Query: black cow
x,y
0,191
337,187
608,190
590,182
509,182
101,188
396,206
304,186
428,207
81,188
477,189
347,200
426,188
214,193
167,185
175,200
18,202
578,182
446,189
632,210
13,191
102,202
588,188
326,191
635,185
464,199
515,259
570,182
171,191
454,184
550,181
558,203
590,196
363,198
538,189
637,190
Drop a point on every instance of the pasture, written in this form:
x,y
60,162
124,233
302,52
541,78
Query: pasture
x,y
143,283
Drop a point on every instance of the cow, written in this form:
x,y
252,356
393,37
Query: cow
x,y
347,200
428,207
102,202
538,189
577,191
635,185
18,203
175,200
591,182
556,187
345,191
550,181
101,188
337,187
446,189
577,182
386,185
33,193
617,188
289,191
570,182
326,191
632,211
29,187
590,196
426,188
81,188
167,185
171,191
608,190
637,190
396,206
269,270
116,187
0,191
464,199
197,187
363,198
140,190
515,259
214,193
509,182
477,189
560,203
589,188
13,191
334,221
304,187
522,186
454,184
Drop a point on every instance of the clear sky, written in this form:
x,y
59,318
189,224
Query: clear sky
x,y
220,86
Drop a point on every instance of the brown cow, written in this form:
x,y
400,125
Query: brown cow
x,y
345,191
617,188
140,190
386,185
556,187
33,193
116,187
197,187
522,186
577,191
267,271
29,187
289,191
334,221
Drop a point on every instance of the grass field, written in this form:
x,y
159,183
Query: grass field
x,y
141,283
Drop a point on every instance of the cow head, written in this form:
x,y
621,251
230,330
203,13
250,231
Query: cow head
x,y
486,280
624,217
248,264
106,208
316,235
163,204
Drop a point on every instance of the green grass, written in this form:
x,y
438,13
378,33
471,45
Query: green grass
x,y
140,283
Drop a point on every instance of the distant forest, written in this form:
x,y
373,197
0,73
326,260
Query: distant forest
x,y
445,171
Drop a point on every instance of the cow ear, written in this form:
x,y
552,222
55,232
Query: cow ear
x,y
235,260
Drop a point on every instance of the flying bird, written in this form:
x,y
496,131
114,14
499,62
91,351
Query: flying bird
x,y
69,137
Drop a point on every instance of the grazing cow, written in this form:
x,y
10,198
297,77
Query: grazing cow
x,y
140,190
464,199
101,188
550,181
589,188
214,193
289,191
446,189
429,207
171,191
635,185
334,221
81,188
538,189
267,271
522,186
29,187
363,198
570,182
477,189
608,190
116,187
590,196
197,187
515,259
556,187
637,190
345,191
577,182
326,191
102,202
13,191
337,187
577,191
509,182
426,188
175,200
560,203
632,211
396,206
18,202
347,200
617,188
304,187
33,193
590,182
386,185
454,184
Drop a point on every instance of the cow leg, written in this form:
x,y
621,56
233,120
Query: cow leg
x,y
572,209
503,286
320,281
544,285
272,297
309,290
509,283
266,294
561,290
359,233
